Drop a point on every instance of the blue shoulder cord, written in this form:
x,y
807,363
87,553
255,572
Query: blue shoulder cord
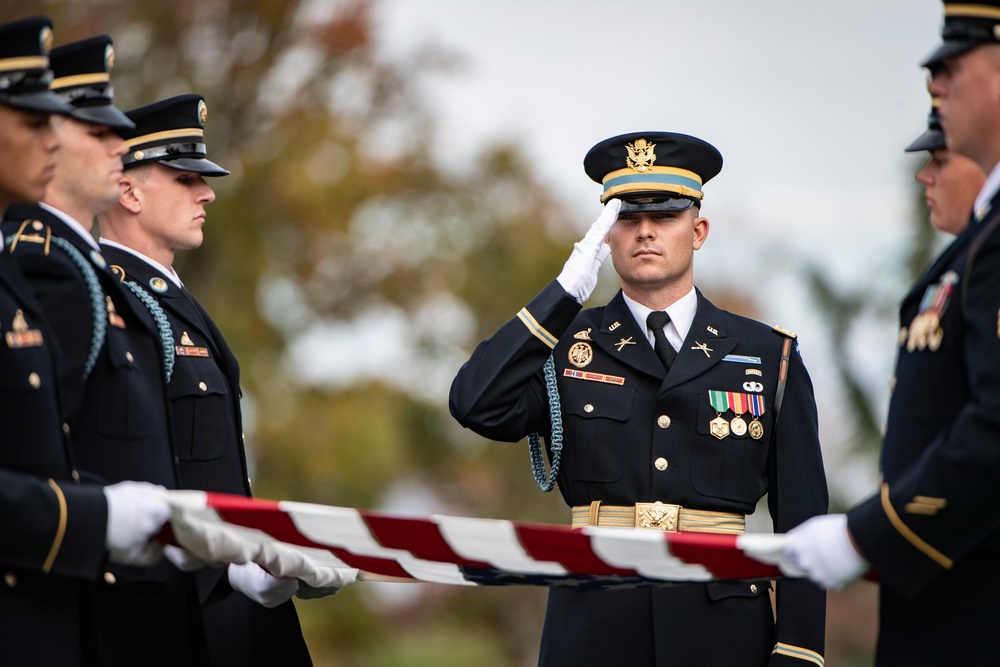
x,y
166,333
97,303
556,438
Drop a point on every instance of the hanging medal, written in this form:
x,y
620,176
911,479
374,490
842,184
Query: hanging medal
x,y
925,330
719,427
756,406
738,404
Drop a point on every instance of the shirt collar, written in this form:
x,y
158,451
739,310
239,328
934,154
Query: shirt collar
x,y
681,314
990,188
73,224
168,271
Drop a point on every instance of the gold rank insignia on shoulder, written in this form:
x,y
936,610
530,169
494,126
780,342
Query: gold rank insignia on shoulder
x,y
581,354
640,155
926,505
20,335
583,335
785,332
114,318
187,348
33,236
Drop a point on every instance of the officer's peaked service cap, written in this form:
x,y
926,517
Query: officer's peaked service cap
x,y
653,171
933,137
82,72
966,26
170,132
24,66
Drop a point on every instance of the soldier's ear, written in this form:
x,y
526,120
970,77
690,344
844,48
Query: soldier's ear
x,y
127,196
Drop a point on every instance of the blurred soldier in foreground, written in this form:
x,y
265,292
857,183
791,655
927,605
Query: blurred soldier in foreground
x,y
933,531
54,531
160,211
111,376
669,413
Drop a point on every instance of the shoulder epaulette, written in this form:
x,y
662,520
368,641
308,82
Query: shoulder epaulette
x,y
32,231
785,333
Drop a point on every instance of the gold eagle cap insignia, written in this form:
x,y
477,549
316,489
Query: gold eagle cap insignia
x,y
640,155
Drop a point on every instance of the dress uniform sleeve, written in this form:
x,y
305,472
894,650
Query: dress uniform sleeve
x,y
499,392
948,501
797,491
51,527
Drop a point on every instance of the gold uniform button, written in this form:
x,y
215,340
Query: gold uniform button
x,y
663,421
588,408
34,380
66,428
661,463
128,355
753,588
76,476
109,578
10,579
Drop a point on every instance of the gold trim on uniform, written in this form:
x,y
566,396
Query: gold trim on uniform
x,y
972,11
25,62
60,530
658,516
925,505
80,80
914,539
37,226
537,329
166,134
798,652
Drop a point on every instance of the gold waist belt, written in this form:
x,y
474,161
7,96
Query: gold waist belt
x,y
658,516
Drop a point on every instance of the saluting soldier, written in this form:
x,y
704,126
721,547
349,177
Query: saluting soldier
x,y
160,211
932,531
54,531
675,415
111,375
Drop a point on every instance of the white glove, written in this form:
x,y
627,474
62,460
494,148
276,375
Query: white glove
x,y
182,559
579,273
822,549
254,582
136,511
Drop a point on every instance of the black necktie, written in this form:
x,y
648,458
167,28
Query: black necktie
x,y
664,350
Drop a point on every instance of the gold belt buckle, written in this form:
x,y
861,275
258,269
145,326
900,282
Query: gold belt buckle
x,y
657,516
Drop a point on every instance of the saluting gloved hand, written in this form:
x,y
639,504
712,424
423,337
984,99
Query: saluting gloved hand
x,y
136,512
579,274
254,582
823,550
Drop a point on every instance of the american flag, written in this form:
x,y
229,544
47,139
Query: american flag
x,y
328,547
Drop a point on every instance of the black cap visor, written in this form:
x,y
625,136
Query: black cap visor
x,y
41,101
931,140
105,114
202,166
949,49
655,204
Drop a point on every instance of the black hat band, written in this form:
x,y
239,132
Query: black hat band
x,y
166,152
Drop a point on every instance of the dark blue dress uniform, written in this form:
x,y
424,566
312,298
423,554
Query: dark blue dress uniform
x,y
204,393
932,533
113,398
52,528
635,433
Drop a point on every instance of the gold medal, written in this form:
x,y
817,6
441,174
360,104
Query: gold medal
x,y
581,354
719,427
756,430
738,426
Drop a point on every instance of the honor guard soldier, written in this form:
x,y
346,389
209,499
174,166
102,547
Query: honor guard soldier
x,y
111,373
160,211
951,181
932,531
54,531
674,415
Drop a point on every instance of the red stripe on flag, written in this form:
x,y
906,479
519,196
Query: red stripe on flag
x,y
720,555
420,537
570,548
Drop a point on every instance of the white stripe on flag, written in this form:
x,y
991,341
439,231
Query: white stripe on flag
x,y
645,551
492,541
